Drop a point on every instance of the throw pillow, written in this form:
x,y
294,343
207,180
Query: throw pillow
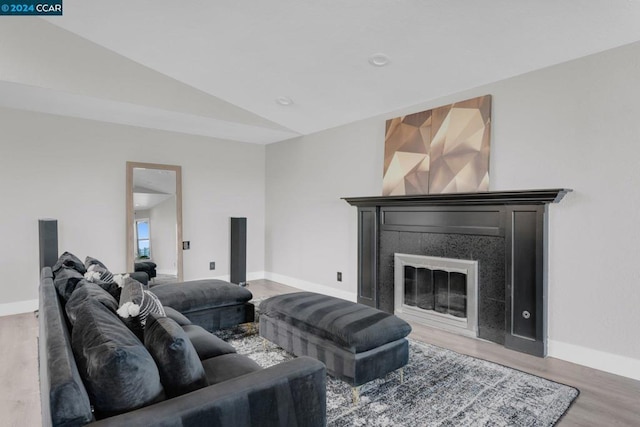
x,y
119,373
99,275
68,261
84,292
98,272
178,363
89,261
136,301
65,282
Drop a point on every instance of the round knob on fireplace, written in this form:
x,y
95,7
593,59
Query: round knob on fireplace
x,y
526,314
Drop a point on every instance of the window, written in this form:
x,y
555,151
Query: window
x,y
142,239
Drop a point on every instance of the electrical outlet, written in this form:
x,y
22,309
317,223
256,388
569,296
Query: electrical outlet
x,y
186,245
339,276
212,265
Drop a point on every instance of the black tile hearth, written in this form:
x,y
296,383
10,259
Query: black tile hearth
x,y
487,250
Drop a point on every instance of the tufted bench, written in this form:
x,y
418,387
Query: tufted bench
x,y
210,303
357,343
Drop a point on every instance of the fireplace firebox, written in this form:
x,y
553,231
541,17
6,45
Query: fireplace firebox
x,y
438,292
504,232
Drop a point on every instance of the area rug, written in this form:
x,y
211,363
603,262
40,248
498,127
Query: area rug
x,y
440,388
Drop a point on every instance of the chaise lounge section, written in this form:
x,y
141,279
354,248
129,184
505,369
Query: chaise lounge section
x,y
210,303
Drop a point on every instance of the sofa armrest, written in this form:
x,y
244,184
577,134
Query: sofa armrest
x,y
292,393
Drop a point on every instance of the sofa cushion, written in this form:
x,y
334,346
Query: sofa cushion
x,y
176,315
206,344
66,281
137,302
85,291
201,294
180,368
118,371
228,366
68,261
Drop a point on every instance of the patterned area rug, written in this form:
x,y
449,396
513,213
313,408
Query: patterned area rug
x,y
440,388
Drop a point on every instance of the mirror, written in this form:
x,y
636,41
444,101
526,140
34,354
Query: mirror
x,y
154,221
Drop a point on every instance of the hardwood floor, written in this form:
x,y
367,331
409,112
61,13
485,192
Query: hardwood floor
x,y
605,399
19,387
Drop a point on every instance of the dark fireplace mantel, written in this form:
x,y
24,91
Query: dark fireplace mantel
x,y
505,231
515,197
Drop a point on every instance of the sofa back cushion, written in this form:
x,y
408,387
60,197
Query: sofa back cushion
x,y
180,368
84,292
65,281
118,371
68,261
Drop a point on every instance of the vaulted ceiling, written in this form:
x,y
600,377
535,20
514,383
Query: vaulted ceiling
x,y
217,68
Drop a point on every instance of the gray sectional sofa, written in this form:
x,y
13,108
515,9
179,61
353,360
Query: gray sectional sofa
x,y
95,371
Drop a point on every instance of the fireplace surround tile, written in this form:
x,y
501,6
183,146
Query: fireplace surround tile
x,y
491,322
487,250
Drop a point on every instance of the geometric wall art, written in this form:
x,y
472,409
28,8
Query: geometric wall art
x,y
443,150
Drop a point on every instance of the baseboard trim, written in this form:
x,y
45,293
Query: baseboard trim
x,y
254,275
596,359
310,286
18,307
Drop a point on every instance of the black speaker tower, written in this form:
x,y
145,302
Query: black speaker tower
x,y
239,251
48,238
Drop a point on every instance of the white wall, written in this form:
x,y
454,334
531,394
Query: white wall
x,y
74,171
575,125
309,228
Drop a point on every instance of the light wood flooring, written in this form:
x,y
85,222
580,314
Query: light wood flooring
x,y
605,399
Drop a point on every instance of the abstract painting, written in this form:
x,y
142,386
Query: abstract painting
x,y
444,150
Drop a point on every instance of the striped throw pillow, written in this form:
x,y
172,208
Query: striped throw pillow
x,y
96,273
138,302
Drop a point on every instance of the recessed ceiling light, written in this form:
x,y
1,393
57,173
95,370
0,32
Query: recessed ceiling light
x,y
379,60
284,101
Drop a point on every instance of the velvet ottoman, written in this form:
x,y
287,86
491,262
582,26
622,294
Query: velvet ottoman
x,y
357,343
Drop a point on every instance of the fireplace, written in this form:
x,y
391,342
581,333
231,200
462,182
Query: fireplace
x,y
504,232
438,292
